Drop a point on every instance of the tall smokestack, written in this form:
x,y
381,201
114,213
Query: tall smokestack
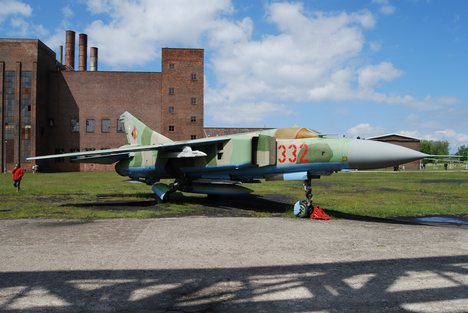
x,y
61,54
83,52
70,49
93,59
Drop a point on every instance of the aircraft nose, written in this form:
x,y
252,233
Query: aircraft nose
x,y
370,154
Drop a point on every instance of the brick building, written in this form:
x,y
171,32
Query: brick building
x,y
47,107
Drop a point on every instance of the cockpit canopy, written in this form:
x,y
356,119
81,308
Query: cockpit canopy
x,y
296,133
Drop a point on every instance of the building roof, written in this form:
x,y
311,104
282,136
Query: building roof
x,y
393,135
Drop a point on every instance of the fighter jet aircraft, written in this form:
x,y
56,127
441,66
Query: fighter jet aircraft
x,y
219,165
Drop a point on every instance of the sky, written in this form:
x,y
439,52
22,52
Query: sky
x,y
354,68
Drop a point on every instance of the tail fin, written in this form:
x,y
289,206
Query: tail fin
x,y
140,134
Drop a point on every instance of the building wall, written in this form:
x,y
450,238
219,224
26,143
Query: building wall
x,y
84,108
182,93
52,100
19,79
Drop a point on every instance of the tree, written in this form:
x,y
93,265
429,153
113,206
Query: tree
x,y
434,147
463,151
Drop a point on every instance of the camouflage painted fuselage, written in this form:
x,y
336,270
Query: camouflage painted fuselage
x,y
270,154
216,165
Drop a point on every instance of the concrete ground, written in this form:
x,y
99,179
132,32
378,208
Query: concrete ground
x,y
203,264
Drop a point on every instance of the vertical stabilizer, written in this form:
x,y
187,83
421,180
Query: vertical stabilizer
x,y
140,134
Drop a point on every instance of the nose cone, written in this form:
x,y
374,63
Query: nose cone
x,y
369,154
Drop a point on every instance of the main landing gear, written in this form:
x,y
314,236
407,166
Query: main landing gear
x,y
304,208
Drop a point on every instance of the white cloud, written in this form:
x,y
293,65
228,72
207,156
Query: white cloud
x,y
385,7
427,103
12,8
99,6
67,12
137,30
20,26
15,14
253,113
451,135
454,137
371,74
410,133
309,60
312,57
364,130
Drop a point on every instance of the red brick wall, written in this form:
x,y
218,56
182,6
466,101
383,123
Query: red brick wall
x,y
21,55
185,63
97,96
57,97
105,95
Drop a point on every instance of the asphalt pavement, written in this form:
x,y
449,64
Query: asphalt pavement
x,y
231,264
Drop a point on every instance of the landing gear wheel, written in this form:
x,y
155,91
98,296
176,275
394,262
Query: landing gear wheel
x,y
302,209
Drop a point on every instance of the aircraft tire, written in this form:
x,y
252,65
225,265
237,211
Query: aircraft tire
x,y
301,209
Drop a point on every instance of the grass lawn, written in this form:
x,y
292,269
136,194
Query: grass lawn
x,y
107,195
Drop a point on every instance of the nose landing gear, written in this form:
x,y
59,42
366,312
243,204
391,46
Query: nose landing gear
x,y
304,208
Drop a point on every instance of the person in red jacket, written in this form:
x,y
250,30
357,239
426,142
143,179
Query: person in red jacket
x,y
17,175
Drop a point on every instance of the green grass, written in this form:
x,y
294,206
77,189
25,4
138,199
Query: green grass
x,y
395,194
107,195
75,195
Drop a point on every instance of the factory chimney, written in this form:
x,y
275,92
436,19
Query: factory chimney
x,y
70,49
83,52
93,59
61,54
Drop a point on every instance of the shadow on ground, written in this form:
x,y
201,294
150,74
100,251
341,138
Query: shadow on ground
x,y
247,205
400,285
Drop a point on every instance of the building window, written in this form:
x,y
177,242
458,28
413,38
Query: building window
x,y
171,66
90,125
120,126
26,132
75,125
194,76
10,104
171,90
171,128
193,119
194,100
171,109
193,137
105,125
